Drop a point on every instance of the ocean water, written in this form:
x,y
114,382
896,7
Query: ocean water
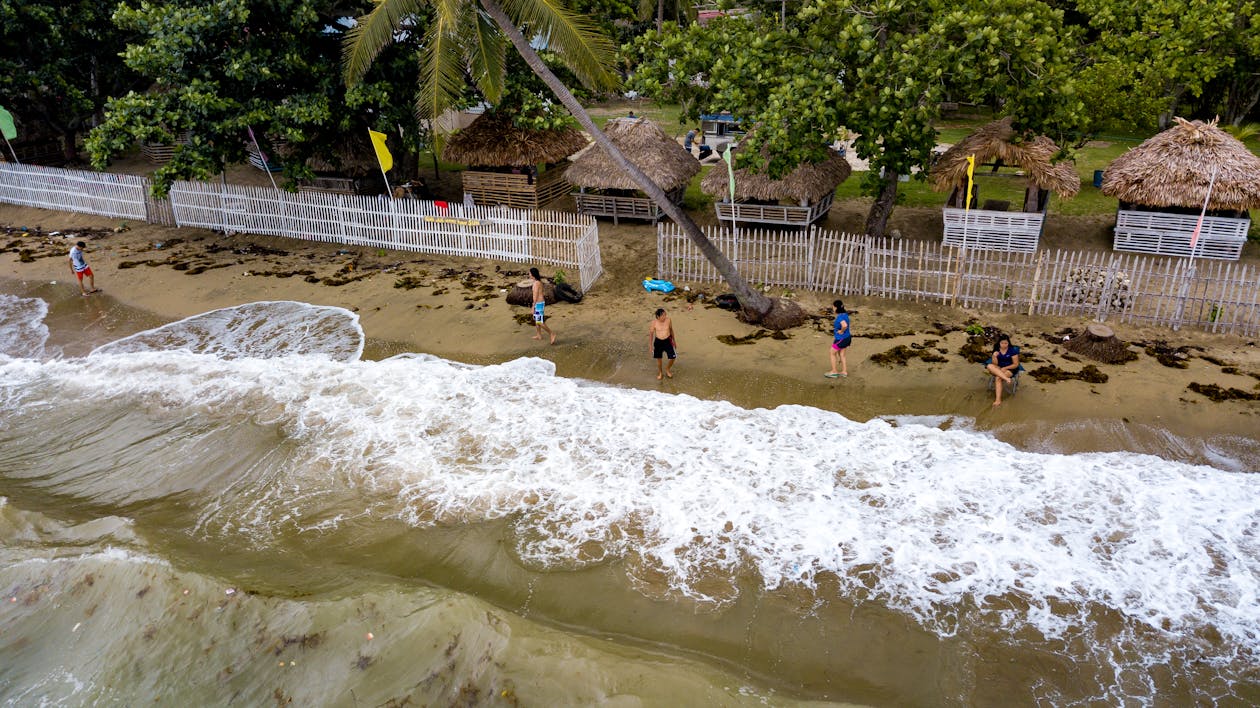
x,y
239,507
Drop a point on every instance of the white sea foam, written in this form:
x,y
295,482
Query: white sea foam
x,y
693,494
22,329
257,329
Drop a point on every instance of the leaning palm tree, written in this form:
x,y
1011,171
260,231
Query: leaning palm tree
x,y
465,37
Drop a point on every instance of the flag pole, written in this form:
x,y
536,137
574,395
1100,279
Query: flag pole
x,y
1194,240
12,151
262,156
971,168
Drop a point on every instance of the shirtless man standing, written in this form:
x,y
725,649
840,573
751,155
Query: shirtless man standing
x,y
662,333
540,301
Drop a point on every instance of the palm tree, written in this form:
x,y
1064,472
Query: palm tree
x,y
466,36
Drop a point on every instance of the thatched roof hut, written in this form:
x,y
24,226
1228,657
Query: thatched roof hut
x,y
808,183
663,160
1173,169
492,141
996,141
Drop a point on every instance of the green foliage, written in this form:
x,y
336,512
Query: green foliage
x,y
59,62
878,67
218,69
1151,54
559,278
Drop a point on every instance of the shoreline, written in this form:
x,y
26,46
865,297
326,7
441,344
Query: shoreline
x,y
454,308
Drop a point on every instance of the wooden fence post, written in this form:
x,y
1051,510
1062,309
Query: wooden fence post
x,y
1032,296
1104,298
866,265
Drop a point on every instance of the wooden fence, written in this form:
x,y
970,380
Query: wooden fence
x,y
552,238
545,237
1213,295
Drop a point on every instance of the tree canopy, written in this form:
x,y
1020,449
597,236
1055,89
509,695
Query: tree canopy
x,y
220,68
59,63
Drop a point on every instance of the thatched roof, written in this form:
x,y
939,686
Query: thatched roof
x,y
646,145
808,182
993,142
1174,168
492,141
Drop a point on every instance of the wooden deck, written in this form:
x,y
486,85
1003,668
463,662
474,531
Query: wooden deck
x,y
774,213
1165,234
980,229
622,207
500,188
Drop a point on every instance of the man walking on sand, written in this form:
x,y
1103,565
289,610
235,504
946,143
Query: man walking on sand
x,y
540,302
80,268
662,333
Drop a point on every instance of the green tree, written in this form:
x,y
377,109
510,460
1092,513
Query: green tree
x,y
466,39
1169,51
59,62
270,65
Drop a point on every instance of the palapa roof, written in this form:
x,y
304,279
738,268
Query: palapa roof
x,y
662,159
808,182
993,142
492,141
1174,168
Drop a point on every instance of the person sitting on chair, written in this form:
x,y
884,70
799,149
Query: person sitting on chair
x,y
1004,365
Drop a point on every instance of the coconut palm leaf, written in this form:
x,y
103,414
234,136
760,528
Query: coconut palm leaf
x,y
441,67
487,58
586,52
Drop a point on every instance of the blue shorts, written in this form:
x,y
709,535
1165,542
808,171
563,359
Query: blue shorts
x,y
538,312
842,343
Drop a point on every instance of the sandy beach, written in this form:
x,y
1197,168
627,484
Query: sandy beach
x,y
455,308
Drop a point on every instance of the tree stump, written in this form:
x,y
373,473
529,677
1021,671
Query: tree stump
x,y
523,293
1099,342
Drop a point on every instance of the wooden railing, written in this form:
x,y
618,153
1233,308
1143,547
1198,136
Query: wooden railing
x,y
516,190
985,230
774,213
1167,234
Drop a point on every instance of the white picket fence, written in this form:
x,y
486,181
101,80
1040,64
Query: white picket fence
x,y
103,193
548,238
1217,296
498,233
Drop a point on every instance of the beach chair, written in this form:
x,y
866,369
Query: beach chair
x,y
992,379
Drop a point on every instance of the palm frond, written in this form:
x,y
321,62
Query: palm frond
x,y
441,67
371,34
486,53
586,51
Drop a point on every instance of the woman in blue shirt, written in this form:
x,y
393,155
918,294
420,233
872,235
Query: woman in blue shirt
x,y
1003,365
843,337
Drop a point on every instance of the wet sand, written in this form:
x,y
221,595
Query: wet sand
x,y
455,308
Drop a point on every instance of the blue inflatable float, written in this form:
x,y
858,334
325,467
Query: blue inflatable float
x,y
660,286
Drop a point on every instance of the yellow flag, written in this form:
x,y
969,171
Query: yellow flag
x,y
971,167
382,152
